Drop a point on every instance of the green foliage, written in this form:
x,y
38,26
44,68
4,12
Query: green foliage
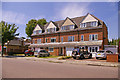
x,y
8,31
42,22
114,42
30,27
32,24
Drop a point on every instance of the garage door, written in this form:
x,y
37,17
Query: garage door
x,y
69,51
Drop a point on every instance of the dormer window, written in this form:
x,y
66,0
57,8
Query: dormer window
x,y
89,24
50,30
37,32
68,27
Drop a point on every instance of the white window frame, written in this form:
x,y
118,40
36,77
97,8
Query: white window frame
x,y
61,39
53,38
93,47
38,41
50,50
73,38
81,37
93,35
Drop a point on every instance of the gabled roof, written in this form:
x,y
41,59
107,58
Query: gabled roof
x,y
46,25
76,21
92,16
69,19
38,27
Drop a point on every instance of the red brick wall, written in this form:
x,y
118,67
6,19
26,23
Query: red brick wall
x,y
55,51
77,37
52,36
66,34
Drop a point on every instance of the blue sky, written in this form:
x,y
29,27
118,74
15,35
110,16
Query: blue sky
x,y
21,12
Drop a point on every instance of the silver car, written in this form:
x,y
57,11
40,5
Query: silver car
x,y
103,54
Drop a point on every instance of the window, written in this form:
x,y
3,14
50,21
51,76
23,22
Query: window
x,y
53,40
46,40
93,23
93,49
38,41
68,27
88,24
83,25
34,32
93,37
96,37
82,37
70,38
33,41
51,50
50,30
37,32
61,39
90,37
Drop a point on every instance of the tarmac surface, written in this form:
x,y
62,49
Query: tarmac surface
x,y
28,67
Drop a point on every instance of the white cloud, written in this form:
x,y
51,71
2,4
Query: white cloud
x,y
14,17
72,10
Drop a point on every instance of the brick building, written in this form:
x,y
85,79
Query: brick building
x,y
61,37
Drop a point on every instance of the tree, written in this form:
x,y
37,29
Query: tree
x,y
42,22
32,24
30,27
8,32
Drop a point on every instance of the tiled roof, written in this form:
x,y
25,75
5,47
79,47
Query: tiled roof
x,y
76,20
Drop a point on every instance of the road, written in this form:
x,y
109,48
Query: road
x,y
21,68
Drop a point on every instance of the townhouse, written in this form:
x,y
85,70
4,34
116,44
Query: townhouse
x,y
61,37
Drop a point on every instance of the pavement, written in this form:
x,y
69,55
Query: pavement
x,y
91,62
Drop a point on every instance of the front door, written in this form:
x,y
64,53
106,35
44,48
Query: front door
x,y
61,51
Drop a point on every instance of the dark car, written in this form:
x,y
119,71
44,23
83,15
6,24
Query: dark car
x,y
29,53
43,53
78,54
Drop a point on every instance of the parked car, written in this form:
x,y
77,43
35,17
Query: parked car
x,y
78,54
29,53
42,53
103,54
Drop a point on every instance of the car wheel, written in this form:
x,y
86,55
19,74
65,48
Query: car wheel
x,y
81,57
77,58
74,57
97,58
90,57
38,56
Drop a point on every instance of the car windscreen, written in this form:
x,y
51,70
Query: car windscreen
x,y
43,51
